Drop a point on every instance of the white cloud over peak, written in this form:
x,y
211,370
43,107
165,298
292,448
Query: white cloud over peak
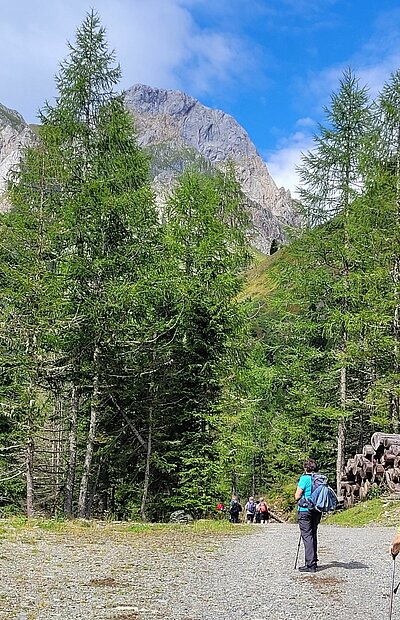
x,y
283,161
157,42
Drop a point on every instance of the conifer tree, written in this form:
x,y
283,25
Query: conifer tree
x,y
377,214
205,237
95,178
331,178
28,311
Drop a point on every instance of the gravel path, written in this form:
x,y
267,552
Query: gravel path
x,y
47,576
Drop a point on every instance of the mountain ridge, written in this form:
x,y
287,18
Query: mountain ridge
x,y
178,131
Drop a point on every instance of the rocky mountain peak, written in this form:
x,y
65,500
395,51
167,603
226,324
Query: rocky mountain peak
x,y
169,121
213,133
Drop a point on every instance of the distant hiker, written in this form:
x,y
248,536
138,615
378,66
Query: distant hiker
x,y
250,509
220,509
307,518
263,510
234,509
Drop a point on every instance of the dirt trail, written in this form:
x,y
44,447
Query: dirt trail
x,y
55,577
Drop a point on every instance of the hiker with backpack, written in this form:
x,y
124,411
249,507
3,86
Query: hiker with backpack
x,y
314,497
263,511
250,509
234,509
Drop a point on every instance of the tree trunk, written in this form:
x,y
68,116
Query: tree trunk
x,y
234,482
57,477
341,432
29,479
394,399
70,478
83,491
340,459
146,482
90,501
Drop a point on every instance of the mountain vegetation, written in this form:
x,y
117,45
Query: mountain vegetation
x,y
324,370
152,361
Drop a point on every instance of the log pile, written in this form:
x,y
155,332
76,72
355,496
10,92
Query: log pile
x,y
377,465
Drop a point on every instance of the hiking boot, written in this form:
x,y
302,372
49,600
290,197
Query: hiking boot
x,y
308,569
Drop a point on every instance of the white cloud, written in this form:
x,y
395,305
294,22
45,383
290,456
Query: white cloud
x,y
283,161
306,122
157,42
372,64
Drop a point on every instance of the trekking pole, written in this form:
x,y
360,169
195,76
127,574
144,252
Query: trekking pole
x,y
297,554
392,589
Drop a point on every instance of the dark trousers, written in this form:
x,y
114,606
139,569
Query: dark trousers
x,y
308,523
234,517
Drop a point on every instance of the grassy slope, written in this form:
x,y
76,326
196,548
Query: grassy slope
x,y
371,512
259,282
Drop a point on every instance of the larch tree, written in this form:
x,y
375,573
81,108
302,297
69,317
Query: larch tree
x,y
28,236
105,238
331,178
206,241
387,166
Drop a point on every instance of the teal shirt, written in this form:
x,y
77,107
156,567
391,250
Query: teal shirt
x,y
305,484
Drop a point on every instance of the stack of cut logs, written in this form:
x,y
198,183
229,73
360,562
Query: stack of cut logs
x,y
377,465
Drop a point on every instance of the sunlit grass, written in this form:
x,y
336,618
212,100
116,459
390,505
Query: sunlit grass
x,y
258,282
370,512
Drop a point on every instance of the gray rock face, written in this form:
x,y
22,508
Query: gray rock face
x,y
178,128
214,134
14,135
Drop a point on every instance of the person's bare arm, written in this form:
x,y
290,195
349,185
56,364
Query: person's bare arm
x,y
298,494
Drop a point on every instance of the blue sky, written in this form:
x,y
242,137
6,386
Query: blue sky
x,y
272,64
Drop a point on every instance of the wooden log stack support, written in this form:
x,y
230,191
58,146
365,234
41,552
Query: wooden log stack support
x,y
377,465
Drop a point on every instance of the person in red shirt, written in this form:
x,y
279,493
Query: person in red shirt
x,y
263,510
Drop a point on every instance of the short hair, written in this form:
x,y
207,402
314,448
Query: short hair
x,y
310,465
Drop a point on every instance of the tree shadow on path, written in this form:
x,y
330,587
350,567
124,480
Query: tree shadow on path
x,y
347,565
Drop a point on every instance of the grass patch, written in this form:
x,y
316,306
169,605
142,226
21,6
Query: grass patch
x,y
218,526
142,528
22,527
259,282
371,512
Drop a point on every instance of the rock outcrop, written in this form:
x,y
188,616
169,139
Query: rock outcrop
x,y
14,135
179,129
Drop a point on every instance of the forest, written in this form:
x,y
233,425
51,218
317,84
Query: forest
x,y
152,363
